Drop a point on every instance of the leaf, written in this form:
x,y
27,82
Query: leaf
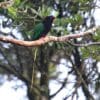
x,y
44,11
12,12
35,53
17,2
97,35
92,51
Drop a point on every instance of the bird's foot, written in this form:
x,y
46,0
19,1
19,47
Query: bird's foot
x,y
42,38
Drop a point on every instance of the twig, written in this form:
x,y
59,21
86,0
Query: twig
x,y
84,45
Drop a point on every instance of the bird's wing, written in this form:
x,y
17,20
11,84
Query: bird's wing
x,y
38,30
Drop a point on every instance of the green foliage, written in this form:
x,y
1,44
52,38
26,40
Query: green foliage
x,y
17,3
44,11
97,35
52,70
77,19
92,51
12,12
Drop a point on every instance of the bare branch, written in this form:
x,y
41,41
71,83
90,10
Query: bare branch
x,y
20,76
63,85
48,38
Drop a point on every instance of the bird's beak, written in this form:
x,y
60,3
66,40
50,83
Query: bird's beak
x,y
53,18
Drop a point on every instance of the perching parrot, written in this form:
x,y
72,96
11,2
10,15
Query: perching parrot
x,y
41,29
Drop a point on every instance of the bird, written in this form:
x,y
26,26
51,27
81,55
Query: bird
x,y
42,29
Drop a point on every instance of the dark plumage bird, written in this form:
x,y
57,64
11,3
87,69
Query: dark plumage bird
x,y
41,29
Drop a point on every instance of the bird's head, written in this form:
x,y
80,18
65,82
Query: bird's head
x,y
49,19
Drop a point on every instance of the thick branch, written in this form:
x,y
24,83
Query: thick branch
x,y
47,38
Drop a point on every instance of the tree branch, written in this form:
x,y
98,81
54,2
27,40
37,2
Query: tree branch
x,y
63,85
6,4
47,38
